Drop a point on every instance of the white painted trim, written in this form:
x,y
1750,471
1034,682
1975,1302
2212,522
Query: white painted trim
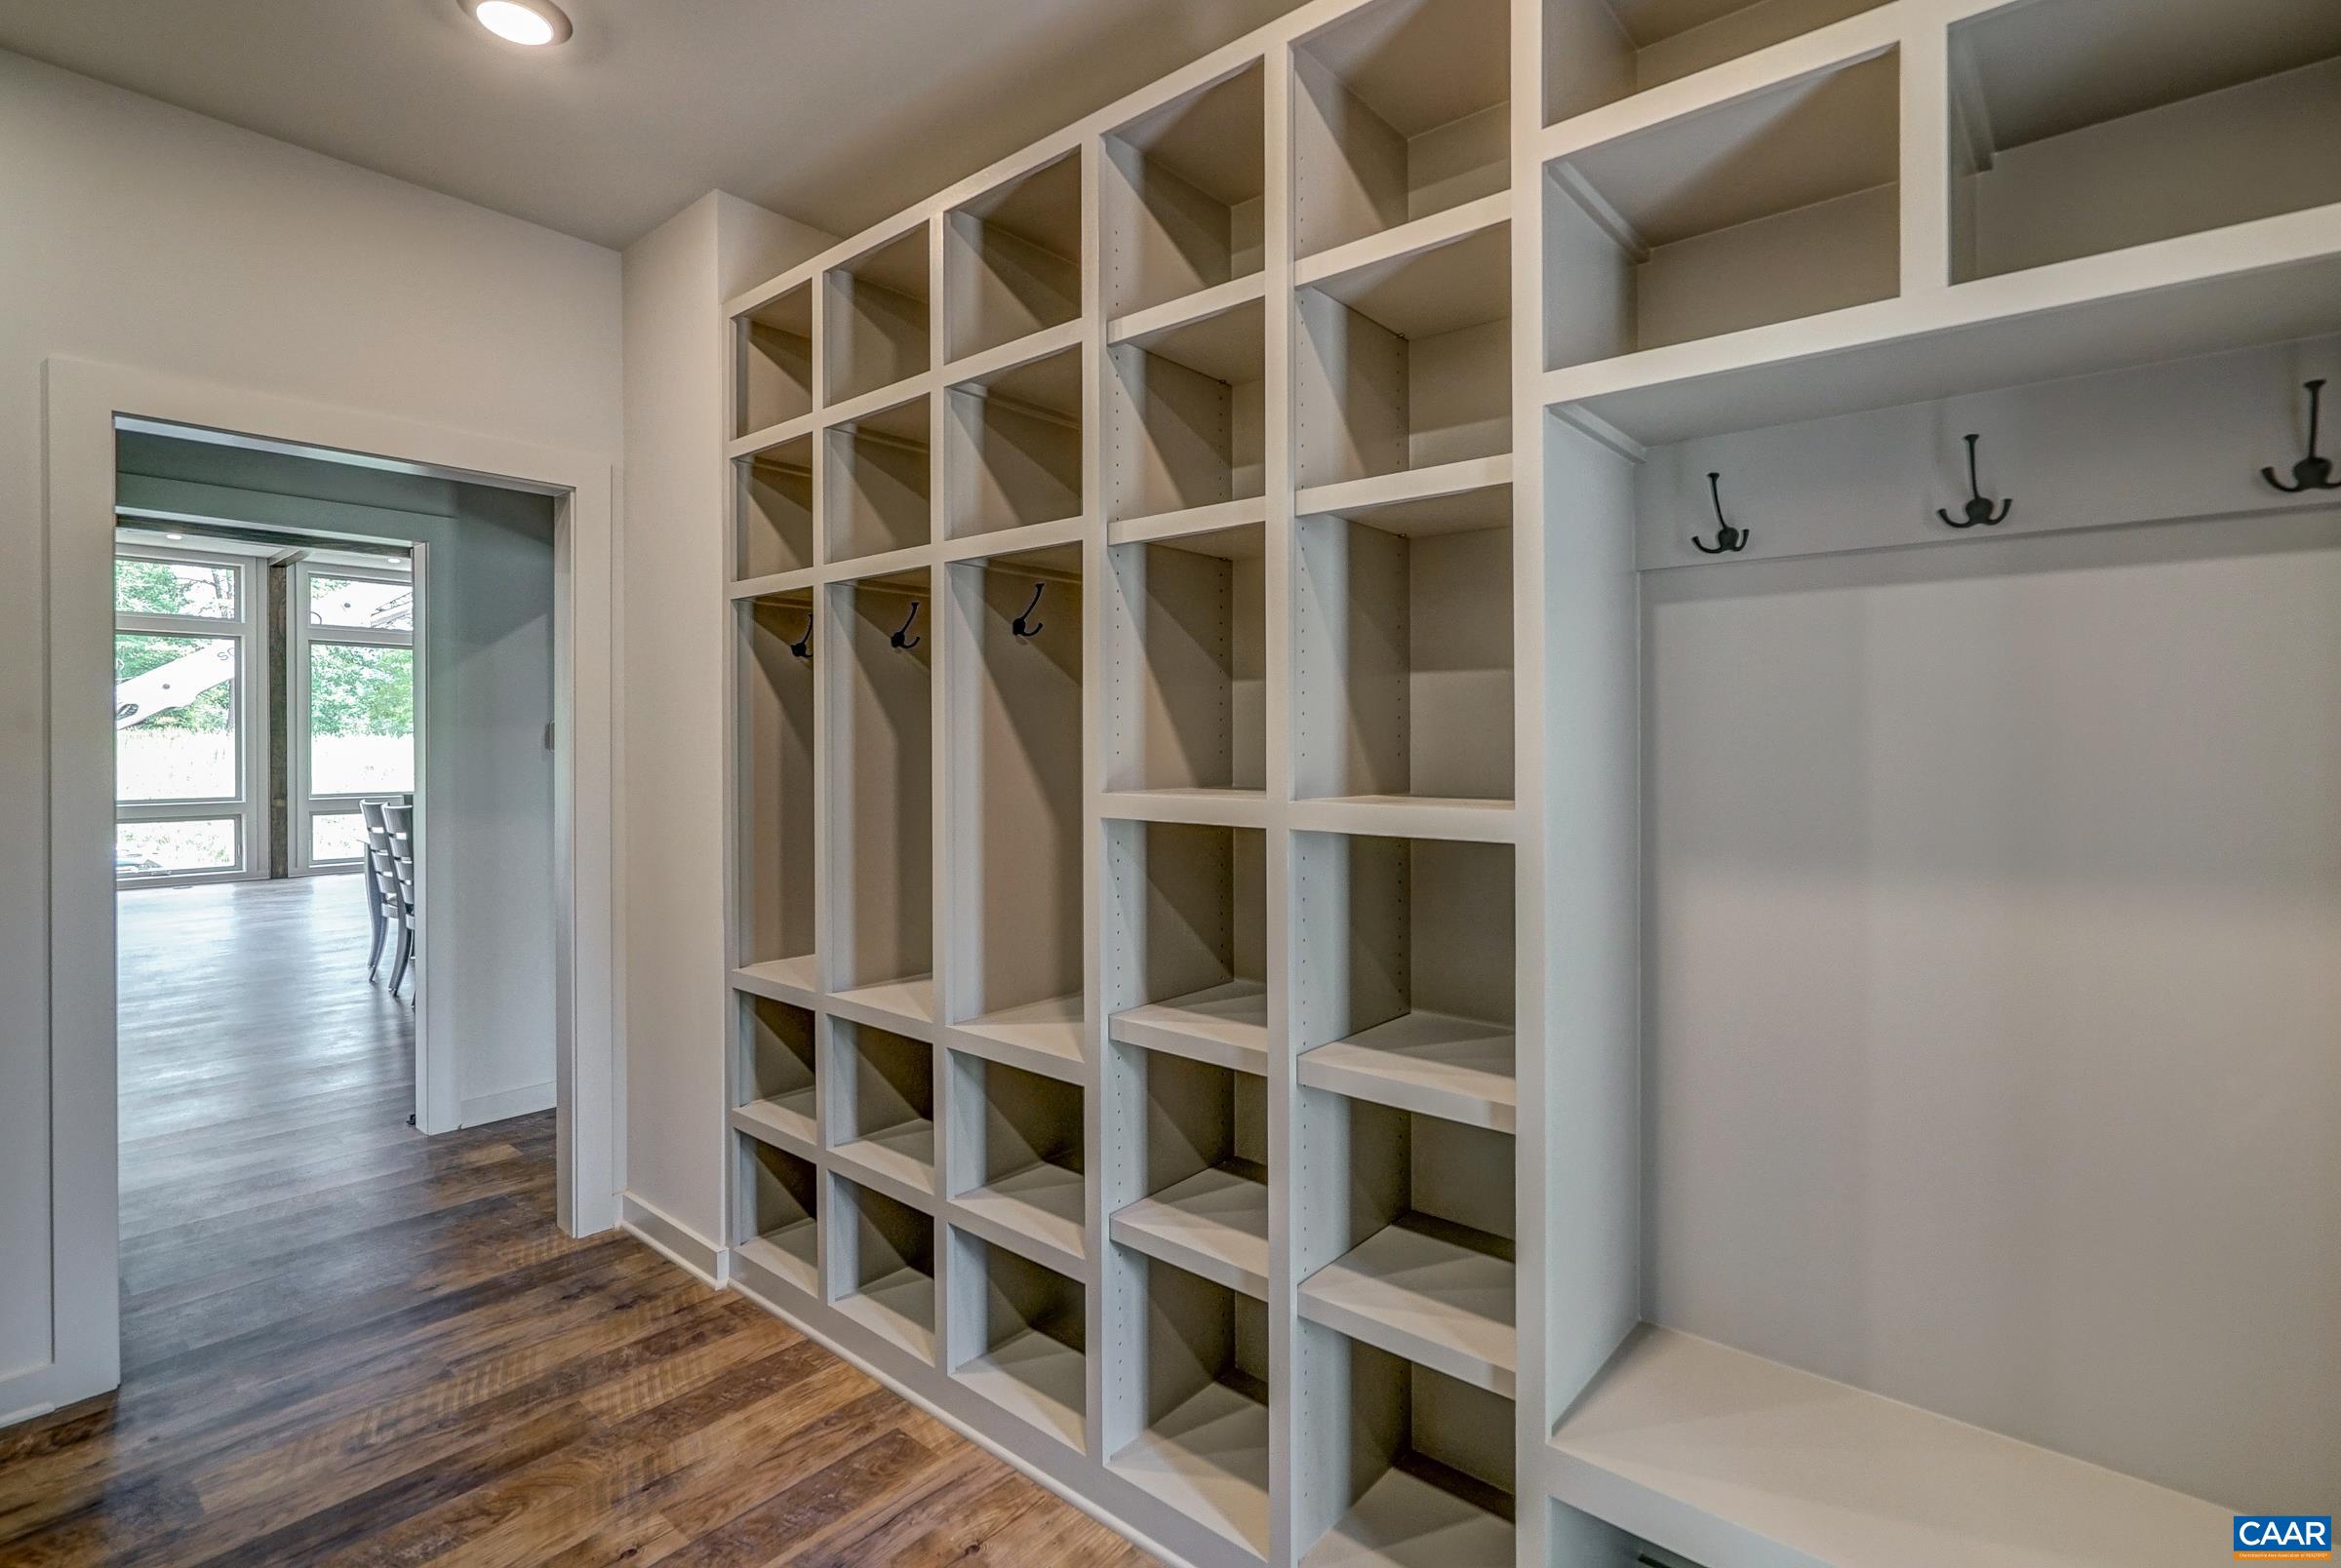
x,y
83,399
673,1241
478,1109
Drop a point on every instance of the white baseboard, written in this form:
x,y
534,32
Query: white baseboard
x,y
672,1239
11,1418
478,1109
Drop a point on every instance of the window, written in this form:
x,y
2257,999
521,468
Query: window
x,y
352,713
190,693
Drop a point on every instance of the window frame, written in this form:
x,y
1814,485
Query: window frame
x,y
303,807
247,808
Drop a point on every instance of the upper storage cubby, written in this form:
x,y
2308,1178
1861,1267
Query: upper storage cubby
x,y
773,362
1016,1145
1186,941
1011,260
2087,125
877,490
1186,414
1184,187
1404,363
1188,633
882,1107
874,327
773,522
776,1092
1011,448
1777,205
881,804
1399,110
1596,52
775,880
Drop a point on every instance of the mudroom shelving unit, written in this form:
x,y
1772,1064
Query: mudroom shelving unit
x,y
1197,594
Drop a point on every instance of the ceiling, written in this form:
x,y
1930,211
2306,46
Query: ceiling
x,y
835,113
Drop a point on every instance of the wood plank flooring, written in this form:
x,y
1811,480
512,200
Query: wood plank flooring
x,y
347,1343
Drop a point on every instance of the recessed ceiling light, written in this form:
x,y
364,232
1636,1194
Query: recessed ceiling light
x,y
175,538
534,22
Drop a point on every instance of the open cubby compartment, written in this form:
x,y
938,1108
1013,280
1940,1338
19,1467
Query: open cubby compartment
x,y
1016,1145
1403,651
1405,363
1188,1402
1011,260
1019,1337
1188,633
874,330
1186,415
1184,194
877,491
882,802
881,1105
1186,940
1596,52
2088,126
1405,1234
773,362
1579,1540
1189,1184
1011,448
1016,823
779,1226
775,890
776,1083
1406,975
773,529
881,1267
1401,110
1777,205
1396,1464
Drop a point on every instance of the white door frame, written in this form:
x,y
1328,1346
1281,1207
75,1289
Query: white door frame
x,y
84,401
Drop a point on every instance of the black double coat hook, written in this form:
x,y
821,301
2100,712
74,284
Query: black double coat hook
x,y
802,647
1024,625
903,637
1981,510
1729,540
2315,471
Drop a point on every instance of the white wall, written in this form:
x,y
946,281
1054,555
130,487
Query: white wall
x,y
670,579
143,235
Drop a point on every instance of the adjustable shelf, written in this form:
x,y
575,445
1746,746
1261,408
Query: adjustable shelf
x,y
1400,1467
775,882
881,1267
877,485
1200,1397
1187,628
881,816
1405,361
1776,206
2089,126
1012,456
1598,52
1186,933
1011,260
1399,110
882,1108
1184,191
778,1098
779,1226
774,509
1019,1338
1406,974
1195,1151
1402,648
773,360
874,319
1017,1141
1186,413
1418,1211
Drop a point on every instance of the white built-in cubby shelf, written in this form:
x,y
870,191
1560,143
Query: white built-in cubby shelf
x,y
1017,1157
773,357
1019,1338
1193,1156
1399,110
1199,596
1398,1465
881,1109
874,319
881,1267
1011,260
1195,1389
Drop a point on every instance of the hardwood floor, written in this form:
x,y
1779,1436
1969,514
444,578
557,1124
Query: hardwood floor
x,y
345,1343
